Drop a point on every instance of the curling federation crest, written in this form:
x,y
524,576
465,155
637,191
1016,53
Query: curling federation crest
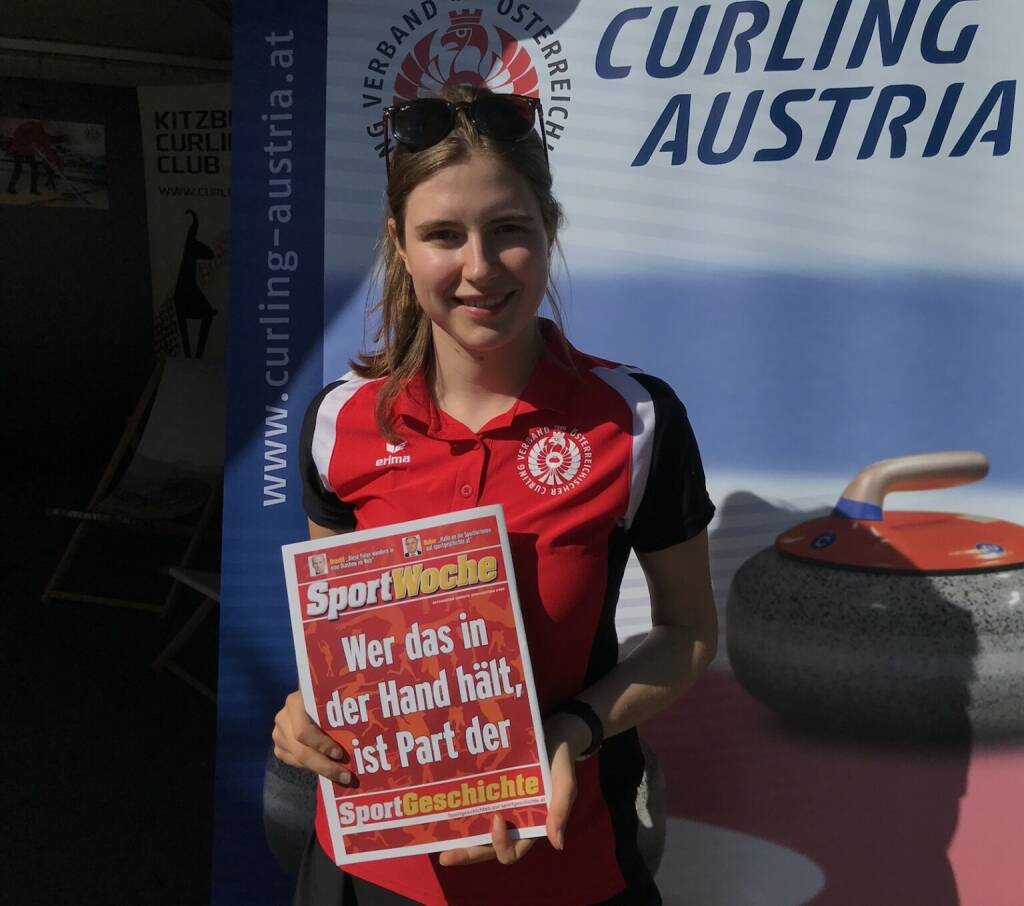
x,y
554,461
466,53
504,45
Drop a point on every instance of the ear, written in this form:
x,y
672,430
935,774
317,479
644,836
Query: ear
x,y
396,242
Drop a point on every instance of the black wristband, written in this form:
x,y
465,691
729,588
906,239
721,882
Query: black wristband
x,y
585,713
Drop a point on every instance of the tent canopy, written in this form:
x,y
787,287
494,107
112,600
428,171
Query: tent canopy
x,y
117,41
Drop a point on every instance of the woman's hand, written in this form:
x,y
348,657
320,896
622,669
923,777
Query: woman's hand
x,y
566,737
302,744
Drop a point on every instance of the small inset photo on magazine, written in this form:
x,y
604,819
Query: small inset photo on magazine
x,y
318,565
411,546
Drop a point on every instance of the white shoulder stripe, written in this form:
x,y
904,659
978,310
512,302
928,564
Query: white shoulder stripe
x,y
325,434
642,406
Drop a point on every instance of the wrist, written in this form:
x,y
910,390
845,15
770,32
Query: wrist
x,y
568,729
581,728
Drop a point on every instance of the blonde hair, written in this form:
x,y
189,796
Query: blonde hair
x,y
403,334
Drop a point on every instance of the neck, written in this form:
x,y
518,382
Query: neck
x,y
475,387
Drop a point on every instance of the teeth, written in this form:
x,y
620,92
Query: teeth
x,y
490,302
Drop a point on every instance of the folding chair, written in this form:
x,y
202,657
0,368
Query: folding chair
x,y
207,584
164,477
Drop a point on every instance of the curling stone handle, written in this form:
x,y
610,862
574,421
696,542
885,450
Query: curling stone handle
x,y
864,495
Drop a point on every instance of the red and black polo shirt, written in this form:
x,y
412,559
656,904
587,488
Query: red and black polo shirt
x,y
593,459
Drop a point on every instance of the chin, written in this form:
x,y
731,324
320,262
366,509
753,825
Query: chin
x,y
484,334
483,339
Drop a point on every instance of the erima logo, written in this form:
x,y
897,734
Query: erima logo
x,y
393,459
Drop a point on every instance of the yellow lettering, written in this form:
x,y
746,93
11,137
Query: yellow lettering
x,y
532,786
467,571
449,576
488,569
429,580
406,579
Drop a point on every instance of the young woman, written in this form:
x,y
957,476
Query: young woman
x,y
489,404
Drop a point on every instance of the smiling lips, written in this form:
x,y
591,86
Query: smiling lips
x,y
483,303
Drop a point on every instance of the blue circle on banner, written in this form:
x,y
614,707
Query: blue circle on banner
x,y
825,539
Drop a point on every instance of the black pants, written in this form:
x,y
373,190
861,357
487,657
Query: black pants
x,y
19,161
321,883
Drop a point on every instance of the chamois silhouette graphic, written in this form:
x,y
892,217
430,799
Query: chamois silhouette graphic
x,y
190,302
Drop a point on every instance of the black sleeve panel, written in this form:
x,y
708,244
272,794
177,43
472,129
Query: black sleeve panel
x,y
322,506
675,506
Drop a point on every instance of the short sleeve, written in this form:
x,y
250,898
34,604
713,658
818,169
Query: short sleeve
x,y
675,505
316,441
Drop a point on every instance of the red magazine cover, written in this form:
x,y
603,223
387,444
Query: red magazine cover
x,y
411,656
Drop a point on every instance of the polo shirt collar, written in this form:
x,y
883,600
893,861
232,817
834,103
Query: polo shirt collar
x,y
550,389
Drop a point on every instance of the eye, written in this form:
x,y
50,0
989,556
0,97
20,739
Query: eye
x,y
511,235
441,235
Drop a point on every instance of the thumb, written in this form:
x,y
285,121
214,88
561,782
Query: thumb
x,y
563,794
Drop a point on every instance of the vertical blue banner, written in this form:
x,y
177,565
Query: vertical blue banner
x,y
275,366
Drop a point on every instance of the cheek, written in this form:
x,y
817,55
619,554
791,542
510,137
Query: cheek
x,y
530,264
432,272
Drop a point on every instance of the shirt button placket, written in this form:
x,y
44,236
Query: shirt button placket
x,y
469,476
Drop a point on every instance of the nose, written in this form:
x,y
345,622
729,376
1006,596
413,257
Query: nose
x,y
480,260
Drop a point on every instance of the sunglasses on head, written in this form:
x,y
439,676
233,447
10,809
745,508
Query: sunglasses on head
x,y
422,122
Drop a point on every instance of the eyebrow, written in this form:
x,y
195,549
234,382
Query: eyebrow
x,y
505,217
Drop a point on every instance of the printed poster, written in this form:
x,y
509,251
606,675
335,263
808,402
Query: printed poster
x,y
412,657
45,163
186,144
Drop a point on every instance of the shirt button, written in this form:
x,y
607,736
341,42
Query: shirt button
x,y
466,490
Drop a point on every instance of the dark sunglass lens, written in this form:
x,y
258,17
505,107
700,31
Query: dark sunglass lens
x,y
504,117
423,122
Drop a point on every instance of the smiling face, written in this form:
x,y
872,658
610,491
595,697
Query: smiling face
x,y
476,249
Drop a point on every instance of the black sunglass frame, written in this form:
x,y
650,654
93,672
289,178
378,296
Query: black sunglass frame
x,y
455,107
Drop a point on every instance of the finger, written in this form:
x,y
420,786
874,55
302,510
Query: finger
x,y
326,767
522,846
468,856
324,756
508,849
504,850
311,736
558,817
299,743
563,795
281,752
297,727
306,730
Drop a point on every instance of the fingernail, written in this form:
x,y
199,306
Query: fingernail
x,y
344,777
336,753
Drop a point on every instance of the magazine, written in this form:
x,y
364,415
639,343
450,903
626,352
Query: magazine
x,y
412,656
